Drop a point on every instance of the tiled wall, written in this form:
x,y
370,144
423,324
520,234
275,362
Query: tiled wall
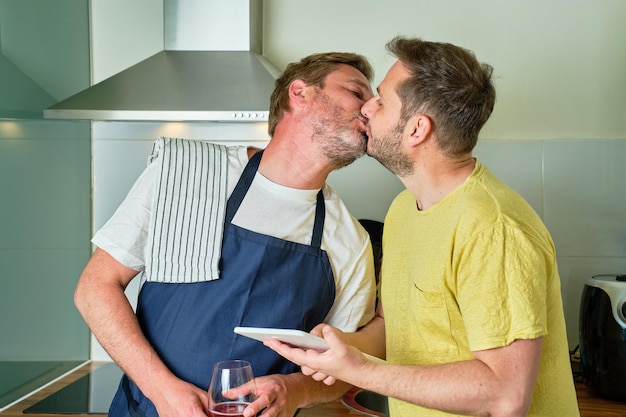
x,y
578,187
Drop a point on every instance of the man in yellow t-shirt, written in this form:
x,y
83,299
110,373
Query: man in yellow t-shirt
x,y
474,272
470,320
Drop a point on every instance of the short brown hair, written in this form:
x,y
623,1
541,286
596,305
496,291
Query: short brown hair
x,y
313,70
449,85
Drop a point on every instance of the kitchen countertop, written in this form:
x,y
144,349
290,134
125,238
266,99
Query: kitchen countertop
x,y
590,405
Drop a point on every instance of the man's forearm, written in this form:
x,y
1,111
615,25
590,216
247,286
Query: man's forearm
x,y
370,339
101,301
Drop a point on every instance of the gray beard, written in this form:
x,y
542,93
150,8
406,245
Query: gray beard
x,y
338,150
341,146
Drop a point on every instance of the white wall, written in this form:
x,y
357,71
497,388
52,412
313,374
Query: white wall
x,y
123,33
560,65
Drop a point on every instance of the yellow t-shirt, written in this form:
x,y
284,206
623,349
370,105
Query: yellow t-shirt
x,y
474,272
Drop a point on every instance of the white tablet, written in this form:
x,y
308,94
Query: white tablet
x,y
297,338
293,337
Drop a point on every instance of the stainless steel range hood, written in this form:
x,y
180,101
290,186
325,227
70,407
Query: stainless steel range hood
x,y
210,70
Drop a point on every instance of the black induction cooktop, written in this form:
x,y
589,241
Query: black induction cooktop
x,y
91,394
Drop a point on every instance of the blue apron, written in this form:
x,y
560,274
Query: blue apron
x,y
264,282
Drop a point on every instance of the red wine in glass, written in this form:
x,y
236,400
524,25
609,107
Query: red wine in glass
x,y
228,409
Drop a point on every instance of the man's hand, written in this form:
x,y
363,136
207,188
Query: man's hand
x,y
182,399
273,397
328,366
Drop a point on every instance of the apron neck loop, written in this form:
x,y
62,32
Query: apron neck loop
x,y
243,185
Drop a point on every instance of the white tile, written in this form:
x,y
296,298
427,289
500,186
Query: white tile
x,y
517,163
585,196
366,187
116,166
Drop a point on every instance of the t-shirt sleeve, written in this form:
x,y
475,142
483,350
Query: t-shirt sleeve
x,y
355,296
501,287
124,236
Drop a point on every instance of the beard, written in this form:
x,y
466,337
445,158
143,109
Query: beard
x,y
340,142
387,149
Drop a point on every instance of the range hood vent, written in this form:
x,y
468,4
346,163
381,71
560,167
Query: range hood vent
x,y
210,69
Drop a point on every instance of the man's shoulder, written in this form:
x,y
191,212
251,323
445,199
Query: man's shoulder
x,y
340,218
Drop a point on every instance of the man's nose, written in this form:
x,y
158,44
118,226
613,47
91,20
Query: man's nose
x,y
367,108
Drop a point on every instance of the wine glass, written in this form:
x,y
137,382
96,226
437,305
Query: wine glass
x,y
228,375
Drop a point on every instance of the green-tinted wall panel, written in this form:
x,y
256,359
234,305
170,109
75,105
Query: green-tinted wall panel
x,y
45,206
44,54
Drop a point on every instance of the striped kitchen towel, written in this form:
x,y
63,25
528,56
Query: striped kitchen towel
x,y
187,223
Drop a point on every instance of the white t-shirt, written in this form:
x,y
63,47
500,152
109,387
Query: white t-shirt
x,y
269,209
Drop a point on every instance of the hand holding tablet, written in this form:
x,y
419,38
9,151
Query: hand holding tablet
x,y
292,337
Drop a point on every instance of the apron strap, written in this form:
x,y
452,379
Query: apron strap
x,y
243,185
318,226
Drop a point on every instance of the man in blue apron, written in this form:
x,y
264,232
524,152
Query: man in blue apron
x,y
226,236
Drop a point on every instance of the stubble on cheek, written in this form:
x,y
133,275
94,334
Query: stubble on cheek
x,y
387,149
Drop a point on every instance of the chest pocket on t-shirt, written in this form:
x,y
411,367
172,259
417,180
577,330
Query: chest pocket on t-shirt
x,y
432,323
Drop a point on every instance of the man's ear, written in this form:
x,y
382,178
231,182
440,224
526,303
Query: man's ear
x,y
297,91
420,127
